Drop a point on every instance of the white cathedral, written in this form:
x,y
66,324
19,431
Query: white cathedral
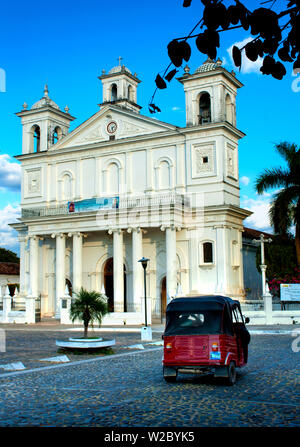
x,y
122,186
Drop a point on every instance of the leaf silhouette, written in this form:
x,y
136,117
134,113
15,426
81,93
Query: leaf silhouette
x,y
187,3
237,56
175,52
171,74
251,51
185,50
160,83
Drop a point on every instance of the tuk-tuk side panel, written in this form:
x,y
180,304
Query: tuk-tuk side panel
x,y
200,350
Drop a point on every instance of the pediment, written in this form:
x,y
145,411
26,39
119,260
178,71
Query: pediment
x,y
95,129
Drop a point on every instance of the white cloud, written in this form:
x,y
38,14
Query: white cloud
x,y
224,61
175,109
260,208
10,174
247,65
8,236
245,180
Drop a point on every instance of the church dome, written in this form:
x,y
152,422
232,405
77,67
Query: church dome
x,y
209,65
118,69
45,101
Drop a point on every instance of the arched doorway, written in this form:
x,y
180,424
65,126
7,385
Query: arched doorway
x,y
69,284
109,284
163,295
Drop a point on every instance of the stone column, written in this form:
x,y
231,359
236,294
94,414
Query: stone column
x,y
137,269
34,265
222,256
193,261
60,270
118,270
77,261
171,262
23,241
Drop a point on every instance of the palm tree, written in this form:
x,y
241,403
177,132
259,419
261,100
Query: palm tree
x,y
88,307
285,207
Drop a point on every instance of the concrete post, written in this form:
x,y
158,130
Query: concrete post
x,y
30,308
267,297
65,305
6,305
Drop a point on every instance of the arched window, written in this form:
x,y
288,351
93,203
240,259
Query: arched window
x,y
229,109
114,92
164,175
208,252
204,108
66,192
129,94
57,134
113,180
36,139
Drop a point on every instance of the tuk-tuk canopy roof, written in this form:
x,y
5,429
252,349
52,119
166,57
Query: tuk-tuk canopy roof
x,y
209,302
200,315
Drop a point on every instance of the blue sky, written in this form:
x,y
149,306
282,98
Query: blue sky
x,y
67,44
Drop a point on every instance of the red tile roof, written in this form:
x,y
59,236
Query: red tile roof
x,y
254,234
9,268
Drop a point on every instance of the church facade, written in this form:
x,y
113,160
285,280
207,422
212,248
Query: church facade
x,y
122,186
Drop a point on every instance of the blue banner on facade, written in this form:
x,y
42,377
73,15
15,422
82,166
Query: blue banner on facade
x,y
93,204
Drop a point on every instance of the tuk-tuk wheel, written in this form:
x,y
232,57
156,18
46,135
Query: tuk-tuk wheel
x,y
231,374
170,379
170,374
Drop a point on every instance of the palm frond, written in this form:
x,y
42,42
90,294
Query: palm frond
x,y
282,210
272,178
89,306
287,150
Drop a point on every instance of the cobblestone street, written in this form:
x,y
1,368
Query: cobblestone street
x,y
127,389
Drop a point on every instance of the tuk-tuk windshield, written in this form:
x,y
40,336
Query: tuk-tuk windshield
x,y
193,322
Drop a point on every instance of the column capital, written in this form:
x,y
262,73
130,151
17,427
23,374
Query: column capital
x,y
76,234
35,237
132,229
61,235
170,227
115,230
22,238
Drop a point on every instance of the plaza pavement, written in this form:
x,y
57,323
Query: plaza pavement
x,y
28,345
127,389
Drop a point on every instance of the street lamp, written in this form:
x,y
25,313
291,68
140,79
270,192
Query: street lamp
x,y
144,262
146,331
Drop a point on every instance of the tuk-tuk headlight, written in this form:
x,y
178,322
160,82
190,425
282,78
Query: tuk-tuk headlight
x,y
214,347
168,345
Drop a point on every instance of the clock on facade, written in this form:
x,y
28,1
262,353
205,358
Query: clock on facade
x,y
111,127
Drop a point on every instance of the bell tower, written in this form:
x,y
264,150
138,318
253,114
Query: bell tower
x,y
120,87
44,124
210,94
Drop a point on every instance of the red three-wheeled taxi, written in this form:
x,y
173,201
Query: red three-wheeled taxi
x,y
205,334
